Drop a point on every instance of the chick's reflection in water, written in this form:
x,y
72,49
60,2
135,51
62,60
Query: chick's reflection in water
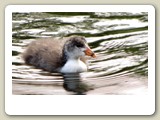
x,y
73,83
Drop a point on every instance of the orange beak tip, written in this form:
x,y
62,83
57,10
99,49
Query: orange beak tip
x,y
93,55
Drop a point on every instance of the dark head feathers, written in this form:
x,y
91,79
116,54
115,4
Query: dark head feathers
x,y
77,41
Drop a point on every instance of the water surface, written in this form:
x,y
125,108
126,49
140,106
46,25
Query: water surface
x,y
120,41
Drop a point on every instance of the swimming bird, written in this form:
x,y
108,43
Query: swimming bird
x,y
65,55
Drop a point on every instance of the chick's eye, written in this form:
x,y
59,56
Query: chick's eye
x,y
79,45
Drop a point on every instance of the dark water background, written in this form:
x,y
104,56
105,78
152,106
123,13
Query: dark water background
x,y
120,41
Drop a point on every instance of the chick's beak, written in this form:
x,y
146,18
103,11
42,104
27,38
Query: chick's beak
x,y
89,52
